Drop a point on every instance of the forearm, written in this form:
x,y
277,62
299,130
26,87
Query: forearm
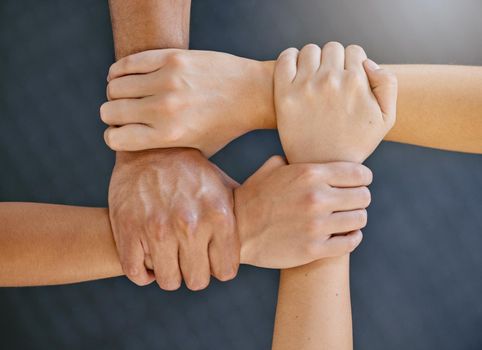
x,y
139,25
48,244
438,106
149,24
314,310
44,244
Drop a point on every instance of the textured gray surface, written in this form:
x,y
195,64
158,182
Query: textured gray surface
x,y
417,279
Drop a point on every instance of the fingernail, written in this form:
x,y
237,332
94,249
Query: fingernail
x,y
372,65
108,79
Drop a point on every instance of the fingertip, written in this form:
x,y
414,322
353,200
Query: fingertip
x,y
226,274
289,52
169,286
371,65
139,276
109,138
102,112
356,239
285,68
368,174
197,285
334,45
276,161
111,73
311,46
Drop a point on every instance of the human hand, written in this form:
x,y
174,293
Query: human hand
x,y
333,102
186,98
291,215
175,208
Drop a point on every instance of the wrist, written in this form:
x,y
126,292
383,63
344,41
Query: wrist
x,y
152,155
264,115
241,226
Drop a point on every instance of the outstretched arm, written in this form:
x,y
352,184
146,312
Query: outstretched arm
x,y
340,109
157,198
139,25
439,106
43,244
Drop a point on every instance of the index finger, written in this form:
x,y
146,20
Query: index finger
x,y
285,69
344,174
139,63
131,255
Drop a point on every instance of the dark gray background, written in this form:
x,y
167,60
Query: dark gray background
x,y
417,278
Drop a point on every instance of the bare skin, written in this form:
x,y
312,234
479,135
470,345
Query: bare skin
x,y
438,106
45,244
357,110
149,216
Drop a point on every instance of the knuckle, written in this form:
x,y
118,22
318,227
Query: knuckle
x,y
289,51
127,62
170,103
173,132
309,173
131,271
222,214
356,49
311,47
355,79
334,45
187,221
357,173
313,200
330,80
155,225
177,59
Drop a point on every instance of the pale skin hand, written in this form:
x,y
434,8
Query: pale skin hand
x,y
184,223
307,198
171,83
314,309
438,106
153,178
45,244
330,107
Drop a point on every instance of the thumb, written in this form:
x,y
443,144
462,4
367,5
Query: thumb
x,y
267,168
384,86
